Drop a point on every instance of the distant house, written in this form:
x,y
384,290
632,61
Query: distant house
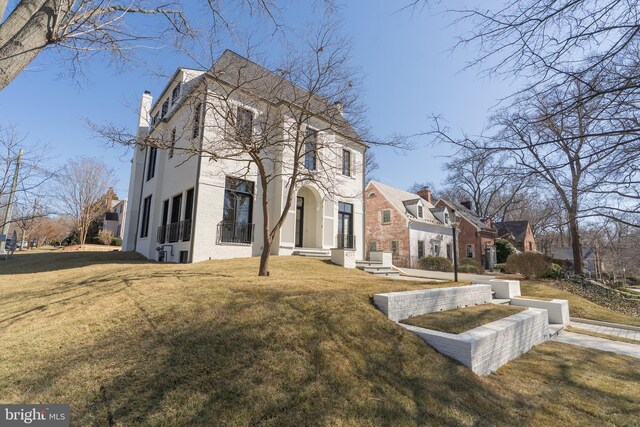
x,y
518,233
114,218
406,224
590,261
476,238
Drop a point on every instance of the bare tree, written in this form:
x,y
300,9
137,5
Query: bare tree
x,y
552,44
82,189
481,177
287,127
29,218
31,176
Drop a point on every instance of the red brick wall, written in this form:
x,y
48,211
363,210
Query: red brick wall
x,y
384,234
529,241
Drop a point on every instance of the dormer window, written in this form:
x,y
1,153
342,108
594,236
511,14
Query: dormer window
x,y
446,218
175,93
165,108
420,213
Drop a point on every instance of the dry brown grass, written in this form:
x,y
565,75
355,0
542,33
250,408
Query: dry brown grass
x,y
463,319
134,342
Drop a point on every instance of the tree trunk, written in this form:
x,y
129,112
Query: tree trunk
x,y
23,35
264,258
575,242
266,235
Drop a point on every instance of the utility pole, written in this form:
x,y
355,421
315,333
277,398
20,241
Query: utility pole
x,y
12,195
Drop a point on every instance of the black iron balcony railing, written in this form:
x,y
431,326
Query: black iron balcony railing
x,y
235,232
174,232
185,230
346,241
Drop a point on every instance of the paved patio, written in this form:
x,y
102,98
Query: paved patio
x,y
413,272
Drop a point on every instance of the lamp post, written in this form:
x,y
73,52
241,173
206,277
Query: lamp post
x,y
454,225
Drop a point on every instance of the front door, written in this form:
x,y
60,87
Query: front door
x,y
299,221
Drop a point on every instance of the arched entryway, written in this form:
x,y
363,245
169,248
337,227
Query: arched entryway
x,y
308,218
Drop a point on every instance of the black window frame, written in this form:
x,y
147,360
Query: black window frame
x,y
244,129
196,120
311,149
173,143
236,230
346,162
165,108
421,247
151,164
175,93
146,216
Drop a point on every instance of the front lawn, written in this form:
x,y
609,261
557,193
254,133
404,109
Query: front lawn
x,y
463,319
128,342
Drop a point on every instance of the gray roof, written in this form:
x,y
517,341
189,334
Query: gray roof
x,y
399,198
468,214
517,229
238,71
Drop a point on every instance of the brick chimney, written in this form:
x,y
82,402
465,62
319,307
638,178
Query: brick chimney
x,y
466,204
425,193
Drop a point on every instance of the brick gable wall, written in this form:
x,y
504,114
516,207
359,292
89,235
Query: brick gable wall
x,y
384,234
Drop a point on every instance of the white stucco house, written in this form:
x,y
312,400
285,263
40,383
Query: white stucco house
x,y
185,207
115,218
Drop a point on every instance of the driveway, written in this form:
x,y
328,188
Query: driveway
x,y
412,272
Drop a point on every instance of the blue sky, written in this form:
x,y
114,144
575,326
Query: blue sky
x,y
409,74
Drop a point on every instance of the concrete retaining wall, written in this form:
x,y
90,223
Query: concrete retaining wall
x,y
504,289
486,348
402,305
557,309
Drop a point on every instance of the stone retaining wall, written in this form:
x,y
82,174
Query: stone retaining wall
x,y
486,348
402,305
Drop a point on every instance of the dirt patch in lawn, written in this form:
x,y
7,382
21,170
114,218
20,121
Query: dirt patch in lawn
x,y
463,319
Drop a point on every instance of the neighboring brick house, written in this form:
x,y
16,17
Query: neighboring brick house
x,y
518,233
476,238
406,224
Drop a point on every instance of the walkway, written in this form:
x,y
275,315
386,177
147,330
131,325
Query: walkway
x,y
596,343
413,272
608,330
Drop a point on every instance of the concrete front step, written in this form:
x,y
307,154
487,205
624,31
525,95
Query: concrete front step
x,y
368,263
312,253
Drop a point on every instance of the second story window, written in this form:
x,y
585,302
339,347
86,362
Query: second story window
x,y
173,142
196,121
346,162
175,94
311,150
244,122
386,216
420,213
151,168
